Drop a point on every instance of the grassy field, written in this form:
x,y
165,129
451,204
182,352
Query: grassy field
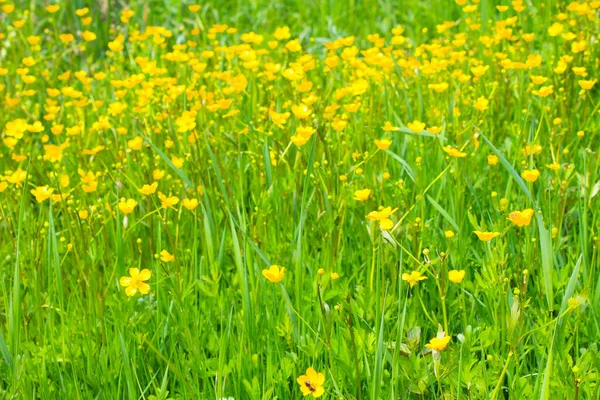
x,y
277,199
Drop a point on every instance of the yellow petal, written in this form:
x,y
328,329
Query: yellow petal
x,y
145,275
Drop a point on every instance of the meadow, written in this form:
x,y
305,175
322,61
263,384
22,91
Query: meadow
x,y
358,199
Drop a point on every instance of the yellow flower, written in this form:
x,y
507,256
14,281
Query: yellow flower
x,y
587,85
177,161
127,206
42,193
383,217
556,29
362,195
167,202
88,36
434,130
538,80
165,256
339,124
486,236
454,152
479,70
388,127
492,159
135,281
135,143
449,234
456,276
148,189
438,344
413,278
544,91
481,104
553,166
93,151
416,126
53,8
301,111
383,144
274,274
335,276
312,383
521,218
530,175
190,204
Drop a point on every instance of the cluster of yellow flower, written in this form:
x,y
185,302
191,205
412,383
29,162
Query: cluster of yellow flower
x,y
112,135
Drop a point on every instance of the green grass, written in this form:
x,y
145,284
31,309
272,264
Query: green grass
x,y
523,323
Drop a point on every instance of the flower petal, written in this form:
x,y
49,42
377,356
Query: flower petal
x,y
145,275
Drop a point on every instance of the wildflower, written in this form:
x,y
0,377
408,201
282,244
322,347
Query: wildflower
x,y
449,234
544,91
486,236
438,343
383,144
190,204
521,218
480,70
587,85
434,130
383,217
362,195
416,126
312,383
456,276
136,281
274,274
88,36
413,278
492,159
481,104
301,111
553,166
127,206
530,175
335,276
42,193
454,152
167,202
135,143
388,127
148,189
165,256
555,29
321,271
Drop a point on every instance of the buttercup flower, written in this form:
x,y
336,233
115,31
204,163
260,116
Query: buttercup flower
x,y
456,276
362,195
530,175
127,206
438,343
136,281
413,278
521,218
312,383
274,274
486,236
42,193
167,257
